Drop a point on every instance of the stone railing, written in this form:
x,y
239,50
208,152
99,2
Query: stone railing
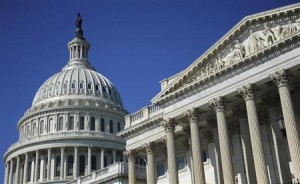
x,y
114,170
60,135
143,114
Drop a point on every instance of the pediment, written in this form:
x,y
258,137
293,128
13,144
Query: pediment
x,y
252,36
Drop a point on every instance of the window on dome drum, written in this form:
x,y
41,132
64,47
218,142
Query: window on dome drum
x,y
93,123
73,85
60,124
57,168
94,162
102,126
42,127
204,155
29,171
111,126
89,86
81,124
81,165
71,123
119,126
103,89
160,169
180,162
65,85
51,125
70,165
97,87
81,85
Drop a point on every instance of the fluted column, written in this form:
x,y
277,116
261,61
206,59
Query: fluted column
x,y
89,159
18,170
169,126
131,157
247,92
150,163
11,171
36,166
75,166
293,137
48,164
102,158
193,117
6,173
227,167
62,154
25,168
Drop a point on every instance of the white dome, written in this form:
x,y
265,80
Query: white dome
x,y
79,82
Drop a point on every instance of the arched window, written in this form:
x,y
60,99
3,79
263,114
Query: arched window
x,y
81,125
51,125
94,161
81,165
70,165
93,123
71,123
42,127
111,126
119,126
102,126
60,124
34,129
57,168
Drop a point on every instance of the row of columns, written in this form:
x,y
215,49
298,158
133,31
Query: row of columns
x,y
255,138
38,168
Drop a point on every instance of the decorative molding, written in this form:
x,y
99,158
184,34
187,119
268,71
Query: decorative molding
x,y
280,78
193,115
169,124
247,92
149,147
130,155
217,103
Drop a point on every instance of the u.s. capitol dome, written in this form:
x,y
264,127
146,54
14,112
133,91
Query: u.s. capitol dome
x,y
70,129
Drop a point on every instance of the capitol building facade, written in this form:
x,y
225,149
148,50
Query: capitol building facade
x,y
231,117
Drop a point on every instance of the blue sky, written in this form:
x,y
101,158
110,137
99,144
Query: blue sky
x,y
134,43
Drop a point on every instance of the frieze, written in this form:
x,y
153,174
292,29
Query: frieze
x,y
251,37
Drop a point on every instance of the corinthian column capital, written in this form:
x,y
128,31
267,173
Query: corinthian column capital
x,y
130,155
280,78
169,124
247,92
217,103
149,147
192,115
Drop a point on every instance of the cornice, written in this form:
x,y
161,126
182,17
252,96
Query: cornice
x,y
148,123
225,44
246,63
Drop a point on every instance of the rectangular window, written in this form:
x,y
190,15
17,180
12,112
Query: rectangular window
x,y
102,125
160,169
180,162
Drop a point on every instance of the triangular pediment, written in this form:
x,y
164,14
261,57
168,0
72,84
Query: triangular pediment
x,y
252,36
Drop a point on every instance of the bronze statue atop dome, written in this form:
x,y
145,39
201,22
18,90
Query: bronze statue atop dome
x,y
78,23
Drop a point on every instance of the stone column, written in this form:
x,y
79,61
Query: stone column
x,y
114,154
6,173
150,163
89,159
62,154
247,92
42,167
25,168
36,166
75,165
228,174
18,170
293,137
169,126
193,117
49,164
102,158
241,113
11,171
131,157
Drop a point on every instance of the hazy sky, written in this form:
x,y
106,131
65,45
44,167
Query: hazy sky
x,y
135,44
